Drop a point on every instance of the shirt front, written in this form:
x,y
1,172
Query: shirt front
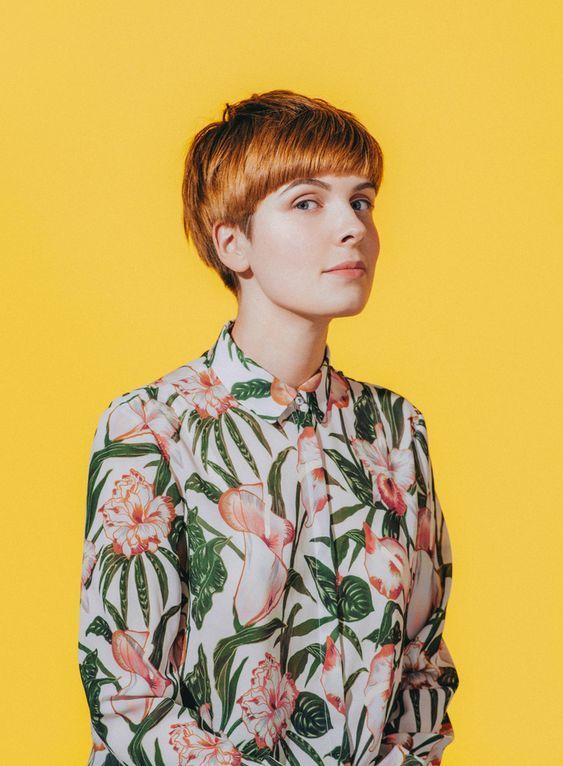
x,y
266,572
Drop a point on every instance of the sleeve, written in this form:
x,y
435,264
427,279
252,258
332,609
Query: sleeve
x,y
134,599
419,726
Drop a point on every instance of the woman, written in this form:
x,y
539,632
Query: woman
x,y
266,562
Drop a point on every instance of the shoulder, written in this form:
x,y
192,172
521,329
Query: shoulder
x,y
160,403
400,416
384,397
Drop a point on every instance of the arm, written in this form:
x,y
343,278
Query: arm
x,y
134,597
419,723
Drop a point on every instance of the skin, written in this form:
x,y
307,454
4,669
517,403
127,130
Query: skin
x,y
287,299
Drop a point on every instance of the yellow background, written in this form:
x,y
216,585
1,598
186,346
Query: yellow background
x,y
102,294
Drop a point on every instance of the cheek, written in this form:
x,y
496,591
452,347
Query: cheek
x,y
287,261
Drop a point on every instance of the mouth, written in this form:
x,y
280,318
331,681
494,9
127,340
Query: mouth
x,y
348,268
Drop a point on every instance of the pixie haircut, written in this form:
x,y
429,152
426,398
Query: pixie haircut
x,y
260,144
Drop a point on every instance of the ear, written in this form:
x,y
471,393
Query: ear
x,y
231,246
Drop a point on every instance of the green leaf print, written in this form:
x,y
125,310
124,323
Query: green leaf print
x,y
110,566
161,575
325,580
197,687
354,598
309,625
123,593
241,445
116,617
111,760
142,589
158,759
195,531
222,449
203,428
297,663
136,751
285,637
311,717
295,580
293,761
367,415
251,389
162,478
92,686
275,483
159,635
196,483
232,693
252,422
99,627
306,747
343,513
356,479
352,678
208,575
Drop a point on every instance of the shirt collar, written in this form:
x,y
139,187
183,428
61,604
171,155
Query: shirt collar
x,y
259,390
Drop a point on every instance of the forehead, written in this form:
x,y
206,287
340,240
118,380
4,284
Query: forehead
x,y
328,182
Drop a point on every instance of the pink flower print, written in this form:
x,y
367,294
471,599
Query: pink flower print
x,y
397,756
331,676
97,743
418,670
414,420
425,595
180,645
134,701
425,533
136,520
399,738
392,470
387,564
283,393
205,713
138,418
88,561
268,705
444,658
206,392
197,747
311,473
339,391
264,572
378,689
436,752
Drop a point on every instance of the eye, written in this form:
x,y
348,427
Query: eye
x,y
303,202
365,199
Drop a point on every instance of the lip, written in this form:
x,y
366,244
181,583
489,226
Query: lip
x,y
352,266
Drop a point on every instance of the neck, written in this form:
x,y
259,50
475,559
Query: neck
x,y
289,346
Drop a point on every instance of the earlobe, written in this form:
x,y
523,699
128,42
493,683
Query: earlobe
x,y
229,246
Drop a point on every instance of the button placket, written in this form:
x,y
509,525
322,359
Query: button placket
x,y
311,419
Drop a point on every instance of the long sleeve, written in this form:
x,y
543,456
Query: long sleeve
x,y
419,726
134,596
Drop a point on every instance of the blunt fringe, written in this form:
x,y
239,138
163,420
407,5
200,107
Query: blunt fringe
x,y
261,143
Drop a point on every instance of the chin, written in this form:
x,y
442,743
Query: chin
x,y
348,305
332,309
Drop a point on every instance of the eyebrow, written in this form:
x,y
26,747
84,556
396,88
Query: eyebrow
x,y
318,182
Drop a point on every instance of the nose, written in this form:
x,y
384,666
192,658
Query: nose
x,y
349,224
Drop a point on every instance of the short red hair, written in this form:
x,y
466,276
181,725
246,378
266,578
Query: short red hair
x,y
260,144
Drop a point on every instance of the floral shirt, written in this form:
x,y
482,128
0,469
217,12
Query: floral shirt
x,y
266,572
